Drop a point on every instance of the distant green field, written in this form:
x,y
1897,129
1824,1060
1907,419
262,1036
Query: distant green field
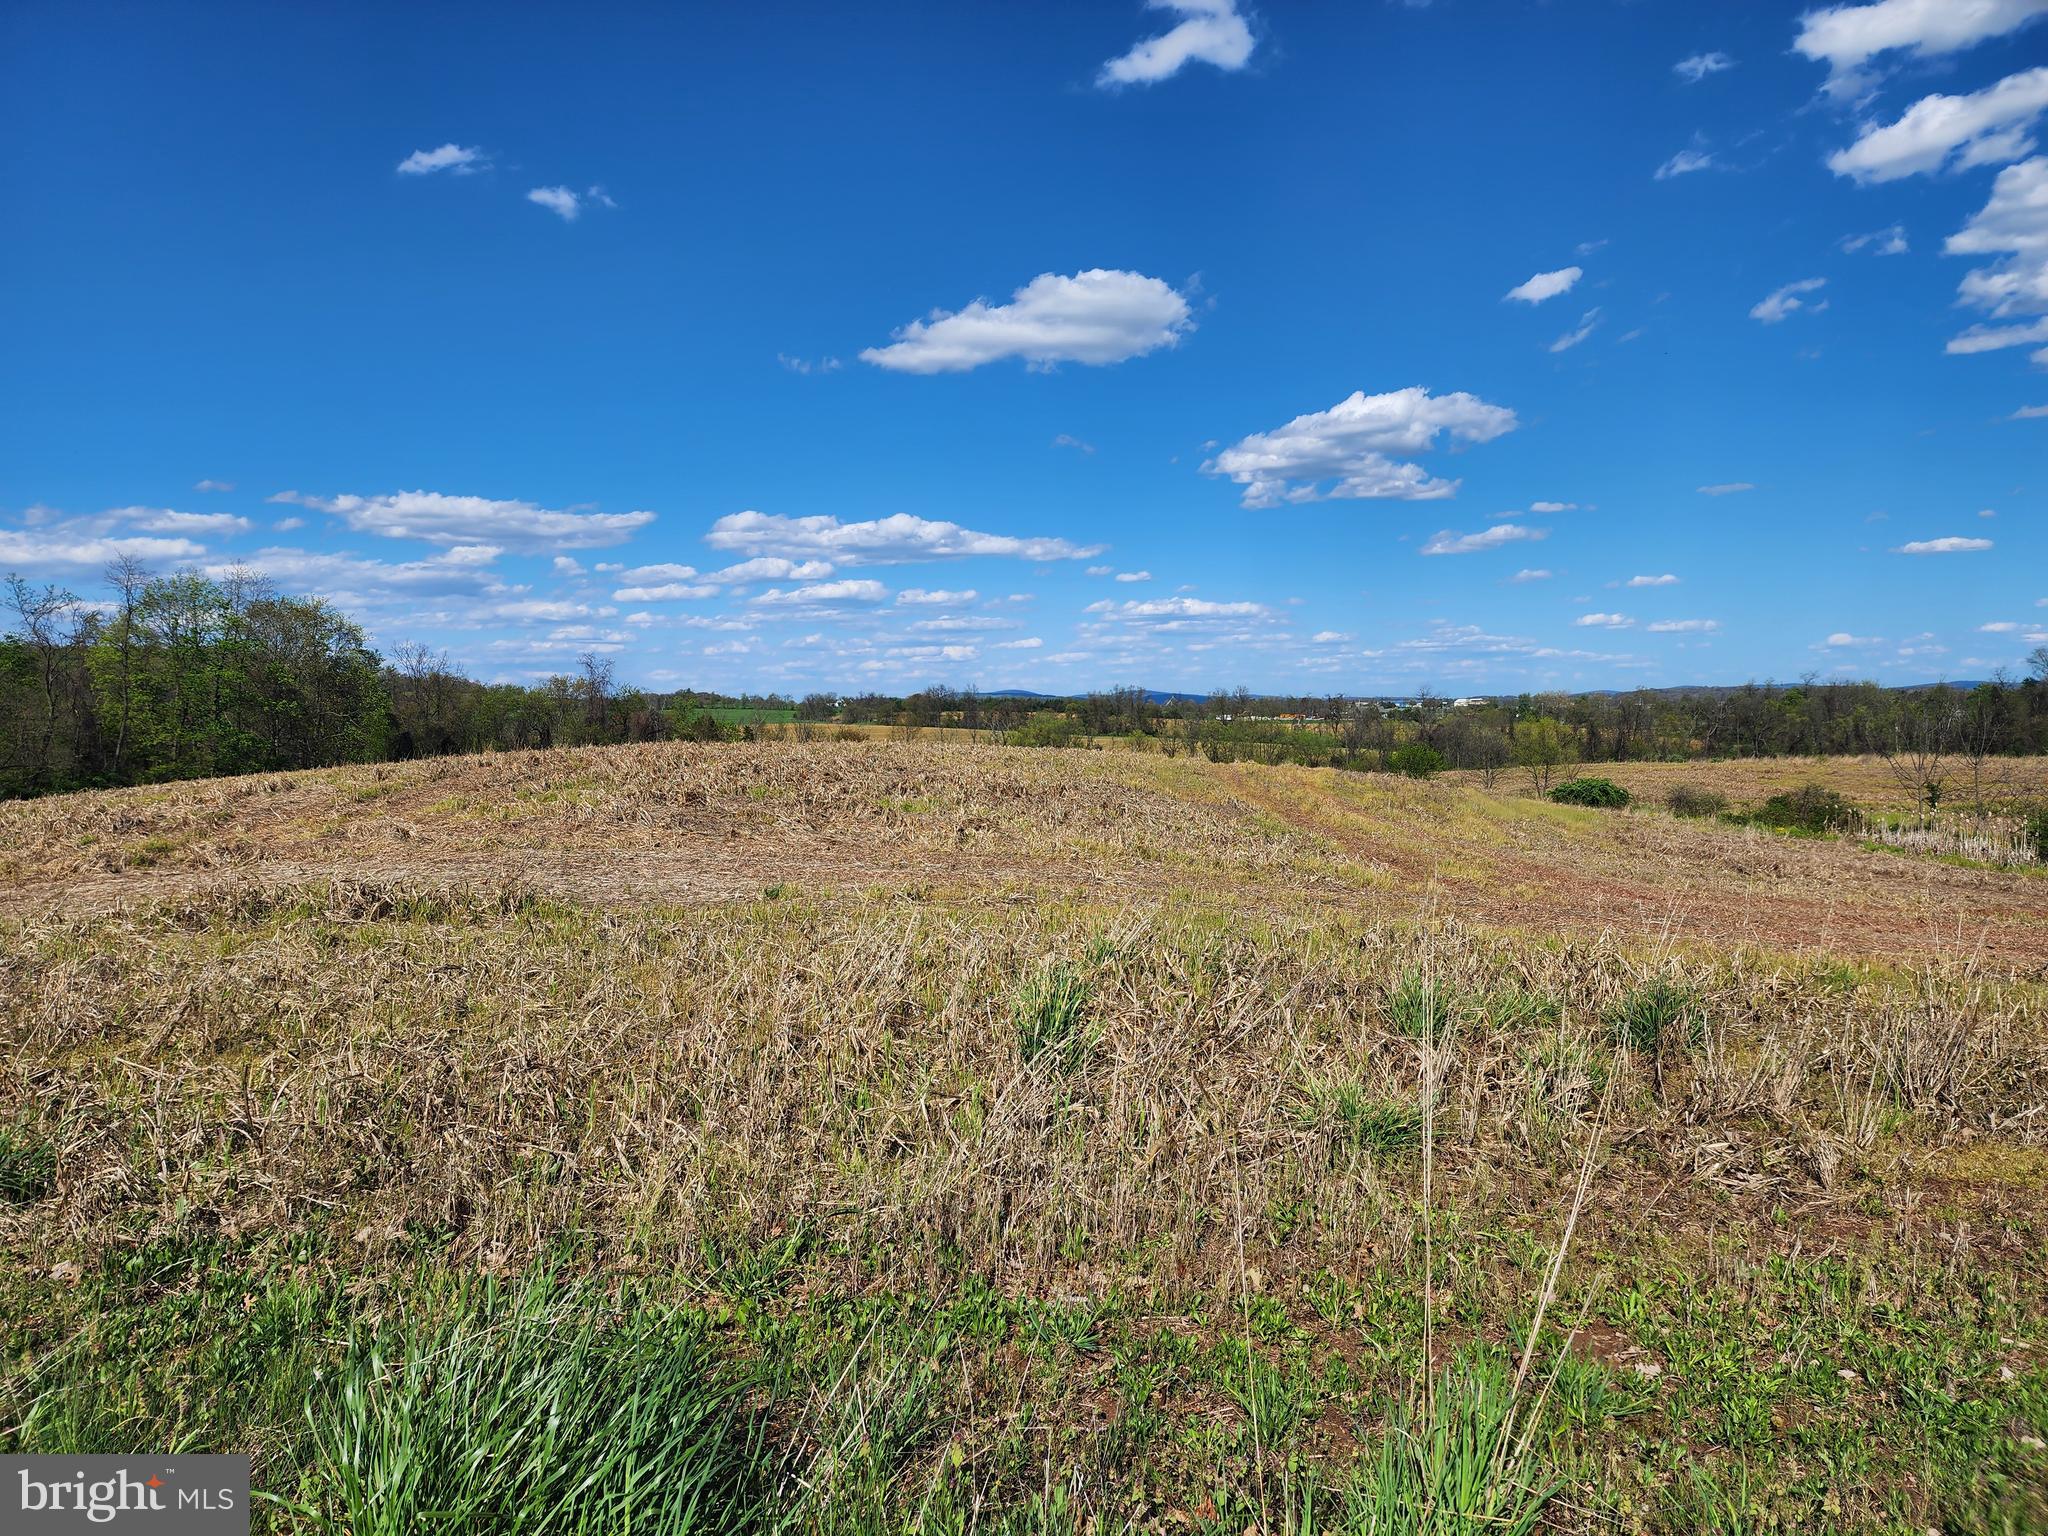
x,y
740,714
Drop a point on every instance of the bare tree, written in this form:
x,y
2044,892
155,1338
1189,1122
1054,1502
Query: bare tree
x,y
129,579
39,612
1920,750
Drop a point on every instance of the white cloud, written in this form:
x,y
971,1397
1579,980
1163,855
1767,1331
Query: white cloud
x,y
1179,608
1848,37
1695,69
289,524
2029,413
770,568
1685,626
1684,163
2005,627
1553,506
78,545
440,519
453,158
1890,241
558,200
1665,580
2014,224
1530,575
1133,575
1094,317
359,585
923,596
1446,542
1570,339
1068,440
882,541
1343,453
1545,285
214,485
1101,570
665,592
809,365
1030,643
1946,546
1730,488
1328,637
823,592
164,520
1783,301
1212,33
1604,621
1841,639
1986,127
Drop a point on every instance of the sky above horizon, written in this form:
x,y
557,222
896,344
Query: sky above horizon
x,y
1478,344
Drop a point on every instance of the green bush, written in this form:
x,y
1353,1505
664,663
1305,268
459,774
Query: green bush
x,y
1048,730
1416,759
1693,800
1812,808
1604,793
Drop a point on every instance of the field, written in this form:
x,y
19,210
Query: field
x,y
902,1136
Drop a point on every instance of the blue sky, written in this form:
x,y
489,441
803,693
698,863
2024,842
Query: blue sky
x,y
1332,347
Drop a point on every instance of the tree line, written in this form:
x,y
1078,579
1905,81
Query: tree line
x,y
186,675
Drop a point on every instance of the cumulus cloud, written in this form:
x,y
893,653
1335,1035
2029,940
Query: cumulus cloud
x,y
1684,626
1847,37
1545,285
1604,621
439,519
1446,542
81,545
1133,575
1695,69
1029,643
1211,32
1665,580
1728,488
880,541
1946,546
1587,323
2012,224
1684,163
1094,317
1986,127
359,585
453,158
1345,453
1553,506
1781,302
822,592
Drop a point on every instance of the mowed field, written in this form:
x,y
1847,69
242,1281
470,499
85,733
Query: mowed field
x,y
902,1137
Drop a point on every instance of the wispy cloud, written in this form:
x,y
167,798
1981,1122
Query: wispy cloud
x,y
1781,302
1447,542
1684,163
1212,32
1729,488
1951,545
453,158
1588,323
1695,69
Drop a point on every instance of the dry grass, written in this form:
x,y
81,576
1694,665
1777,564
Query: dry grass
x,y
1075,1101
687,823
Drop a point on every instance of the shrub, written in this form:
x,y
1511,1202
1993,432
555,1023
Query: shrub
x,y
1812,808
2035,826
1604,793
1694,800
1416,759
1048,730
